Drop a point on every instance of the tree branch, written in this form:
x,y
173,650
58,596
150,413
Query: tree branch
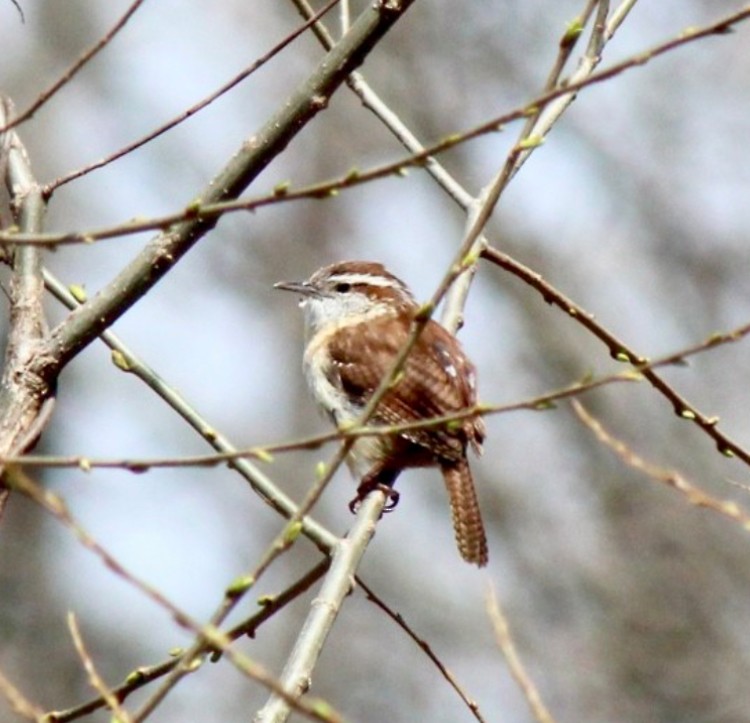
x,y
23,393
297,673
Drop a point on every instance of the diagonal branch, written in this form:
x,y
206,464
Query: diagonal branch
x,y
19,703
215,638
96,680
517,669
68,75
424,646
143,675
669,477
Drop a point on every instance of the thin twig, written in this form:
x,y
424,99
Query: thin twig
x,y
190,112
566,45
618,15
532,136
19,703
541,402
281,543
599,35
451,679
212,637
135,680
478,210
68,75
545,117
273,603
18,7
144,675
671,478
517,669
97,682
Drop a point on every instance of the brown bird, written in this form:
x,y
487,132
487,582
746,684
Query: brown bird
x,y
358,317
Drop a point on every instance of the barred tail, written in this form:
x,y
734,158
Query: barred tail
x,y
467,518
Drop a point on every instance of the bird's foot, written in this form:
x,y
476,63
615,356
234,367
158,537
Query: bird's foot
x,y
392,496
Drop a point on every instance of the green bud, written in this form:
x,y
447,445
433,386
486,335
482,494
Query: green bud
x,y
121,361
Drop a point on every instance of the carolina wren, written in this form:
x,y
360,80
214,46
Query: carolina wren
x,y
357,317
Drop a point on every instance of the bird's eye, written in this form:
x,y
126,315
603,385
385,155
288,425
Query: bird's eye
x,y
342,287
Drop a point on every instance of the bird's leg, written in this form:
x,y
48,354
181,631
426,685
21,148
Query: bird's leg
x,y
381,479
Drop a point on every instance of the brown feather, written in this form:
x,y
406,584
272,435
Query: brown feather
x,y
432,383
467,518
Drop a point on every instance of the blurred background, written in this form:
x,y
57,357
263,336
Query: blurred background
x,y
626,602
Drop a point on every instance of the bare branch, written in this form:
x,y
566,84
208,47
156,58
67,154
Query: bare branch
x,y
273,603
209,634
671,478
295,679
566,46
517,669
18,701
135,680
532,136
144,675
120,714
424,646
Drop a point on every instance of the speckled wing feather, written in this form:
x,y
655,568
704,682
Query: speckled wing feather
x,y
441,383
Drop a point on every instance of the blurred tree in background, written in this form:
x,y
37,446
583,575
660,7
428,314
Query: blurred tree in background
x,y
626,599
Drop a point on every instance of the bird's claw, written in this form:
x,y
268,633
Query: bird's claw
x,y
392,496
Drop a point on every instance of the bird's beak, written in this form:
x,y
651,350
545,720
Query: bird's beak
x,y
298,287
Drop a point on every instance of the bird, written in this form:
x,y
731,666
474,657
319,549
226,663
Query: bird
x,y
358,316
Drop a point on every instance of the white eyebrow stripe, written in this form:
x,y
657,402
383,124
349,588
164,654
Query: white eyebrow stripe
x,y
369,279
